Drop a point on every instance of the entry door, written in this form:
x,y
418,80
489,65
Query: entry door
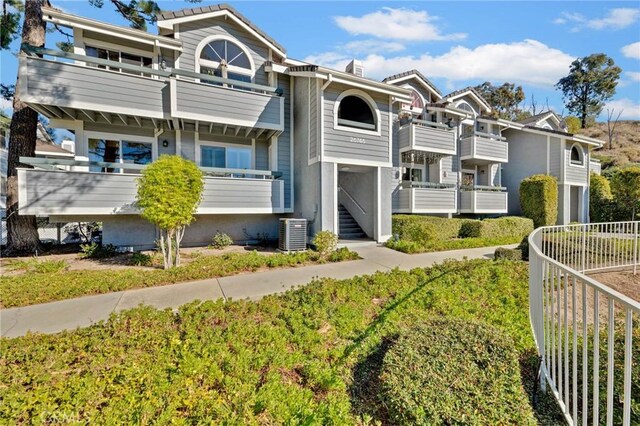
x,y
575,204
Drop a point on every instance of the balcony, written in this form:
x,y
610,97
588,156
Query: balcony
x,y
71,86
426,197
483,199
51,190
484,148
418,135
595,166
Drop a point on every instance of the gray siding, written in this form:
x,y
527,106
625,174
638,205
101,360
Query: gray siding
x,y
226,105
75,86
284,141
60,192
450,167
313,118
484,149
427,200
262,155
192,33
338,144
574,173
555,157
426,138
527,157
491,201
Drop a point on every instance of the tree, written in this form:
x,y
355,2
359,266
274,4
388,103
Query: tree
x,y
600,199
10,22
22,231
573,124
625,186
611,125
592,81
169,192
504,100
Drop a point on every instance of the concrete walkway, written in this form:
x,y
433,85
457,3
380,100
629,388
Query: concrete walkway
x,y
83,311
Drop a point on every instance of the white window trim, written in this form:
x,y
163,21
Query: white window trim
x,y
417,111
583,162
473,110
120,137
213,64
92,42
200,143
421,166
372,104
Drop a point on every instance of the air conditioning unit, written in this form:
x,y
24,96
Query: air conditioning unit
x,y
292,235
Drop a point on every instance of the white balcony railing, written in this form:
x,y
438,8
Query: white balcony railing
x,y
585,330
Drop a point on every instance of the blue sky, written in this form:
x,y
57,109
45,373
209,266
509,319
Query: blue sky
x,y
455,44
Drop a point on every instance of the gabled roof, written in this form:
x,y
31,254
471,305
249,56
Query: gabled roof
x,y
469,91
414,74
544,115
167,19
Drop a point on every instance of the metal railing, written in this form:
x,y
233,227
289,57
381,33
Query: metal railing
x,y
63,164
430,185
584,330
341,190
485,188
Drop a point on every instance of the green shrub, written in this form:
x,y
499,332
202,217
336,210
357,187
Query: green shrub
x,y
508,226
600,199
97,251
471,229
453,371
508,254
141,259
625,185
325,243
221,240
539,199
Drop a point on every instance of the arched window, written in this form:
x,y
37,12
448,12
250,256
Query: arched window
x,y
416,100
465,107
577,155
353,111
223,57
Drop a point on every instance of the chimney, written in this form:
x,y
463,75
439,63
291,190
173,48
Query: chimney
x,y
355,67
69,145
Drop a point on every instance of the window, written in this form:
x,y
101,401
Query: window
x,y
577,156
225,157
412,174
226,59
416,100
116,151
353,111
117,56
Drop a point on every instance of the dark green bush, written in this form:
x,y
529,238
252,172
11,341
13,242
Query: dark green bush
x,y
471,229
97,251
508,254
539,199
454,371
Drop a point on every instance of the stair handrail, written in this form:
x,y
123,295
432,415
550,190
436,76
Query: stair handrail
x,y
352,199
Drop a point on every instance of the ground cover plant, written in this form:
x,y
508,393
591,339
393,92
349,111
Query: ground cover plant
x,y
419,234
54,283
310,356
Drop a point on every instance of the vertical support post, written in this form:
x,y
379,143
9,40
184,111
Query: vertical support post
x,y
635,247
584,247
58,225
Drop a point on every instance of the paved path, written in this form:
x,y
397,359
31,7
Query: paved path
x,y
84,311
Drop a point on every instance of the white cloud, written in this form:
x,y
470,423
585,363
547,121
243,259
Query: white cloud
x,y
630,108
5,104
616,19
528,61
372,46
396,24
631,50
633,75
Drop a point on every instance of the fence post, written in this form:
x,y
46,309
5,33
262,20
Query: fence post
x,y
635,247
584,248
58,225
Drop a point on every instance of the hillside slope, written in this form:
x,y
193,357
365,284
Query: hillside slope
x,y
626,143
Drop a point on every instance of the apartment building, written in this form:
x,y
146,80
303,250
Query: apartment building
x,y
275,137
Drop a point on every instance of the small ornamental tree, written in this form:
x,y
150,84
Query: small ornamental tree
x,y
625,186
169,192
539,199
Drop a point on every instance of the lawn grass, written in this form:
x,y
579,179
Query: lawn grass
x,y
310,356
47,281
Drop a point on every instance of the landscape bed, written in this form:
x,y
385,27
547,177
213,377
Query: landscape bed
x,y
47,281
310,356
421,234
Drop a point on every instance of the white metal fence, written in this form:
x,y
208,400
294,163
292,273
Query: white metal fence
x,y
587,333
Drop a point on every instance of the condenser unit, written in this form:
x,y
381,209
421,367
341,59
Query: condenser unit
x,y
292,234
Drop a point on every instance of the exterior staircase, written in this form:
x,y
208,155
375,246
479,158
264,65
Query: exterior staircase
x,y
348,228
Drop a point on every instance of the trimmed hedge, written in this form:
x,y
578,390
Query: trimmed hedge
x,y
454,371
497,228
539,199
503,253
